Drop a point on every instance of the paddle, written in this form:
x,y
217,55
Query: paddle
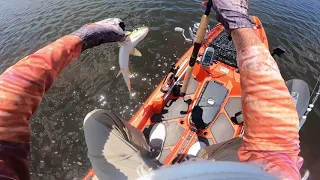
x,y
196,47
300,93
278,51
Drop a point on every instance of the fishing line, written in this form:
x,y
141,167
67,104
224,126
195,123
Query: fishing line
x,y
313,91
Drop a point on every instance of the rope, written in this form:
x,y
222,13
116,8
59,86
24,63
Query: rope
x,y
313,91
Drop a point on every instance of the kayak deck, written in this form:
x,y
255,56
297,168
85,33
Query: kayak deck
x,y
205,113
222,85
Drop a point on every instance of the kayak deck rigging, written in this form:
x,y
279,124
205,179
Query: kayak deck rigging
x,y
188,122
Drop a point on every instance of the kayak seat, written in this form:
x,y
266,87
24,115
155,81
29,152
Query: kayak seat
x,y
222,129
176,108
206,110
234,109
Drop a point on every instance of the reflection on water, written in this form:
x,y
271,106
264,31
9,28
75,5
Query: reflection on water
x,y
58,147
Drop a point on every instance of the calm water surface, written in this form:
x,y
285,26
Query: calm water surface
x,y
58,147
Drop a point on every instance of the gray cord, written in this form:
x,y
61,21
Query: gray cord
x,y
312,92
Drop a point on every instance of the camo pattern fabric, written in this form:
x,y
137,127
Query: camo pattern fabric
x,y
105,31
233,14
271,135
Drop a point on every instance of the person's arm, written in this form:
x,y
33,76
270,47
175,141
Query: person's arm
x,y
23,85
271,121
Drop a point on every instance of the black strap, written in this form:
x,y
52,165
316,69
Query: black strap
x,y
238,118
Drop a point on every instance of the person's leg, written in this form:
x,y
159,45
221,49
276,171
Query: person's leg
x,y
116,149
225,151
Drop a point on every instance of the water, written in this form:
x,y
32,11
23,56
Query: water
x,y
58,147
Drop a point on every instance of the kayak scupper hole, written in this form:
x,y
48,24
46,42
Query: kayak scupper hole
x,y
181,122
205,133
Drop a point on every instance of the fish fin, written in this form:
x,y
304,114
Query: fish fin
x,y
129,87
128,73
136,52
119,73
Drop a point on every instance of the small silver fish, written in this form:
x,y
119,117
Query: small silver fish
x,y
128,47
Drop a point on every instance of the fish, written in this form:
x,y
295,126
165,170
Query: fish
x,y
127,48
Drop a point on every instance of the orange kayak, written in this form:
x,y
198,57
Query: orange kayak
x,y
208,111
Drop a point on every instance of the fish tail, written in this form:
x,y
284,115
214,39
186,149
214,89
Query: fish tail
x,y
126,75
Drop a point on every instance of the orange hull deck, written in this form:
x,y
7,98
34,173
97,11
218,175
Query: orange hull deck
x,y
184,136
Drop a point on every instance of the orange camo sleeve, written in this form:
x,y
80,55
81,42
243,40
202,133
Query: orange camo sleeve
x,y
23,85
271,122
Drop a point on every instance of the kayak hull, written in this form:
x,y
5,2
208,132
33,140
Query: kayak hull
x,y
218,85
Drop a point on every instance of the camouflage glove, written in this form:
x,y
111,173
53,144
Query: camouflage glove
x,y
105,31
232,14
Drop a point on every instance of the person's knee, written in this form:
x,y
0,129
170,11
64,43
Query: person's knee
x,y
103,117
91,116
98,125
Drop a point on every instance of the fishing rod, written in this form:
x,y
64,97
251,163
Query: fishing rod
x,y
196,47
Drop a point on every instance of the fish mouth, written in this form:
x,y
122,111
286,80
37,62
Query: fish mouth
x,y
145,30
138,34
141,31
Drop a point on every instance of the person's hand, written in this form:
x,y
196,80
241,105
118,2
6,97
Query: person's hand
x,y
105,31
232,14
